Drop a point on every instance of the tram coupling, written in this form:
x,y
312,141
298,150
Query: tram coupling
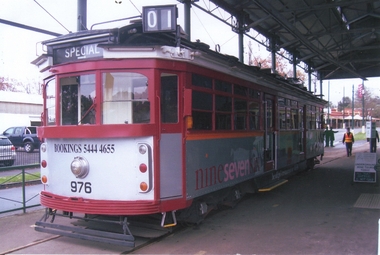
x,y
87,228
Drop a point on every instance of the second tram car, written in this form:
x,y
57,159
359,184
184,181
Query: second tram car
x,y
141,123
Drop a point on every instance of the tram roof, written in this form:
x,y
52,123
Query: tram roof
x,y
338,39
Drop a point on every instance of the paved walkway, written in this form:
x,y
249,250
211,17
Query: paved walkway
x,y
316,212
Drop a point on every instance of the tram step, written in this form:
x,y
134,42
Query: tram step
x,y
273,185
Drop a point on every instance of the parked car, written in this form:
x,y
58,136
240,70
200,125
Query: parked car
x,y
23,137
7,151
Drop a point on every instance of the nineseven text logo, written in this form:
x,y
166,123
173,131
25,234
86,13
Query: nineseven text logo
x,y
206,177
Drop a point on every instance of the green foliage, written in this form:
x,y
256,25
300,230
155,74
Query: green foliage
x,y
360,136
18,178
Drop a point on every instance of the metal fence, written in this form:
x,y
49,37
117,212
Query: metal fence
x,y
23,158
20,184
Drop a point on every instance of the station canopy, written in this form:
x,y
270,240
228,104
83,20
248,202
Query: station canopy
x,y
337,38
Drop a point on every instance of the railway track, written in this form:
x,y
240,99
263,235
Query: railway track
x,y
144,232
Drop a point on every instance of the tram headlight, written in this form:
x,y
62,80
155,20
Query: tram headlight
x,y
142,149
80,167
43,147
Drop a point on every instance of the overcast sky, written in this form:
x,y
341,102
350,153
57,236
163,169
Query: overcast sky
x,y
18,47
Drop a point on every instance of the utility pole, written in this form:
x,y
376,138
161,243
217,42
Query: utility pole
x,y
82,15
352,108
328,105
363,93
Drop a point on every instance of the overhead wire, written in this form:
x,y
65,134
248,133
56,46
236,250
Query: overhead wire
x,y
204,27
135,6
52,16
234,36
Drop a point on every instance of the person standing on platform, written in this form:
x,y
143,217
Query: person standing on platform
x,y
327,136
373,142
332,136
348,138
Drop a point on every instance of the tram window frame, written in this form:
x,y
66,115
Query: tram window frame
x,y
240,114
50,102
169,98
308,117
202,110
301,117
201,81
223,86
208,105
223,110
295,118
319,118
77,100
311,117
254,115
281,102
130,104
294,114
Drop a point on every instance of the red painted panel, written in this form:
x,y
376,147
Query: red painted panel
x,y
97,131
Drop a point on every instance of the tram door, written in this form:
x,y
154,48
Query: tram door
x,y
270,135
170,138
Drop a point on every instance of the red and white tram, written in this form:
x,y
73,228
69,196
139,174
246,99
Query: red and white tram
x,y
141,123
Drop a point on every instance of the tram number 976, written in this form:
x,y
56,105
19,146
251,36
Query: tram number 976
x,y
78,187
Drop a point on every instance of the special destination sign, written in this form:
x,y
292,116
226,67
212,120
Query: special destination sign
x,y
76,53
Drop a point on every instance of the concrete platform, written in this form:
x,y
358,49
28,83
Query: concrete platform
x,y
322,211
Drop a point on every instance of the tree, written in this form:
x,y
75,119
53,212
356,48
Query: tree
x,y
13,85
283,67
371,103
345,103
5,85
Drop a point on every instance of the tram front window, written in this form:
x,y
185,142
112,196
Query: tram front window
x,y
50,102
125,98
78,100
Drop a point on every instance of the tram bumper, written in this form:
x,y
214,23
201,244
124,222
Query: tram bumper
x,y
84,232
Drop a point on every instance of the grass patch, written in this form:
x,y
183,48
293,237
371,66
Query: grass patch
x,y
18,178
360,136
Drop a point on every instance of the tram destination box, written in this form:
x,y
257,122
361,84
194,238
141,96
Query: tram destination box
x,y
159,18
365,164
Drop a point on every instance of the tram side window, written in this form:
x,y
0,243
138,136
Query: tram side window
x,y
310,117
320,119
202,110
169,98
223,86
78,99
269,114
313,118
240,110
254,114
295,119
301,118
201,81
223,108
281,113
125,98
50,103
294,124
